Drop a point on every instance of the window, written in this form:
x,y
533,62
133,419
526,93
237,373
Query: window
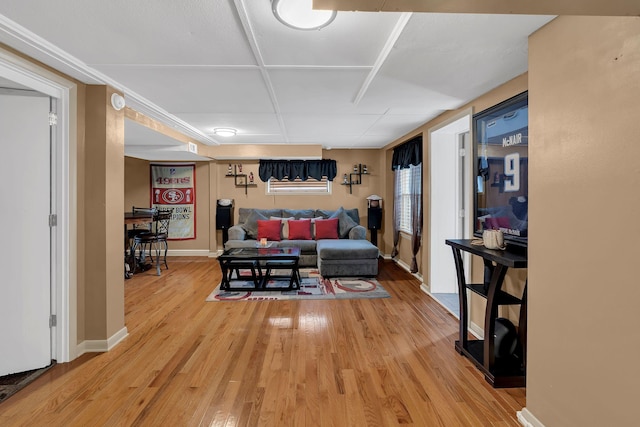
x,y
298,186
404,192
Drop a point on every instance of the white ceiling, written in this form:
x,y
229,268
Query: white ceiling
x,y
362,82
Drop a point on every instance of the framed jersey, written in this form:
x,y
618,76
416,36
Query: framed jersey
x,y
501,140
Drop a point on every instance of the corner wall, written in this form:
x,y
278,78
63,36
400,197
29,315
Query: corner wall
x,y
489,99
584,104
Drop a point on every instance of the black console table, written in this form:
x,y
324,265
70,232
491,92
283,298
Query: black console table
x,y
508,372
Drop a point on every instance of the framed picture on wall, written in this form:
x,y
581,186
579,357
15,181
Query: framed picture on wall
x,y
501,141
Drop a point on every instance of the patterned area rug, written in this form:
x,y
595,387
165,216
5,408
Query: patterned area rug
x,y
312,286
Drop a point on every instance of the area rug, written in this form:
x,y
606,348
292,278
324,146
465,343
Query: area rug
x,y
312,286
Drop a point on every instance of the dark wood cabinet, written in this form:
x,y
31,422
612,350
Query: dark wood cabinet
x,y
503,372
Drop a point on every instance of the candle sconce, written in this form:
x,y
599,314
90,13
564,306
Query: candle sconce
x,y
355,177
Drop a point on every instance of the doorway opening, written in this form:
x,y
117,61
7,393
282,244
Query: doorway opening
x,y
450,201
20,77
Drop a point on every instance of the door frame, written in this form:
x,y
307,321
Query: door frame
x,y
63,196
464,198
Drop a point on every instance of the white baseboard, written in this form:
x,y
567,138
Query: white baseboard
x,y
406,267
476,331
215,254
527,419
101,346
188,252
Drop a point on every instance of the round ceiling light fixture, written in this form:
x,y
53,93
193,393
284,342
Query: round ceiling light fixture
x,y
226,132
299,14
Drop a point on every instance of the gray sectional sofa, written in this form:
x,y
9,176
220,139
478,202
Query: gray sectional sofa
x,y
349,255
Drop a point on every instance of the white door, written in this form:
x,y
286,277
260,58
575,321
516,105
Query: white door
x,y
25,252
448,201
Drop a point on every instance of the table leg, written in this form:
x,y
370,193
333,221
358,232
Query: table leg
x,y
158,272
224,267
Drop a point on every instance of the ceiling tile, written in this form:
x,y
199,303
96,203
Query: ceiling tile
x,y
327,125
280,45
245,124
138,32
197,89
321,91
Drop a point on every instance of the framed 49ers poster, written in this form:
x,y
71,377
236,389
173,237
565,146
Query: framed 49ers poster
x,y
174,186
501,141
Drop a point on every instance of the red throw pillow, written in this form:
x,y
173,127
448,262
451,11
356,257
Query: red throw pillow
x,y
327,228
269,229
299,229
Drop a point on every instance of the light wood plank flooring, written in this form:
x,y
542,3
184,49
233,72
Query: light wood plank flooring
x,y
187,362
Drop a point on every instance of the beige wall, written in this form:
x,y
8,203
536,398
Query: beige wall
x,y
514,280
137,193
584,106
345,159
212,183
104,180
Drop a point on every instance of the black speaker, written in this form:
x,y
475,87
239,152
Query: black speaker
x,y
224,217
374,221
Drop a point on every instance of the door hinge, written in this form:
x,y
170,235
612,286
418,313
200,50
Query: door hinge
x,y
53,220
53,320
462,152
53,118
461,213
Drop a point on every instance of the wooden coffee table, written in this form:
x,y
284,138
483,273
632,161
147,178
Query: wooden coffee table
x,y
260,261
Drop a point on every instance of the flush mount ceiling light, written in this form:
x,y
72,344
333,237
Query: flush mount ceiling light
x,y
226,132
299,14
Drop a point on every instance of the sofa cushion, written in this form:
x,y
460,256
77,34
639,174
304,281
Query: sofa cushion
x,y
353,214
243,213
327,228
313,226
346,249
298,213
306,246
345,223
300,229
285,226
269,229
251,224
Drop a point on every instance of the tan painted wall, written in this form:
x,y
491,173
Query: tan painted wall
x,y
584,180
212,184
137,190
104,180
514,280
345,159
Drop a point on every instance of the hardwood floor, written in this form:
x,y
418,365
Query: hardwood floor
x,y
187,362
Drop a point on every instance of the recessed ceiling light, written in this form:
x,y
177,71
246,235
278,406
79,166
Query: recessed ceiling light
x,y
299,14
226,132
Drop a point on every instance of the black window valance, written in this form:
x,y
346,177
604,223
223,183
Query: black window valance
x,y
409,153
292,169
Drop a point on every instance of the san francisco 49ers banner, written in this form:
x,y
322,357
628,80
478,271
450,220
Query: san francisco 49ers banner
x,y
174,186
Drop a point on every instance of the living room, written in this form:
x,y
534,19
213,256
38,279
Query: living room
x,y
581,75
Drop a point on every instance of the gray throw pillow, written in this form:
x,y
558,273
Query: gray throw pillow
x,y
345,223
251,224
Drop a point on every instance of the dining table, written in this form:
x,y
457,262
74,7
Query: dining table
x,y
132,219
